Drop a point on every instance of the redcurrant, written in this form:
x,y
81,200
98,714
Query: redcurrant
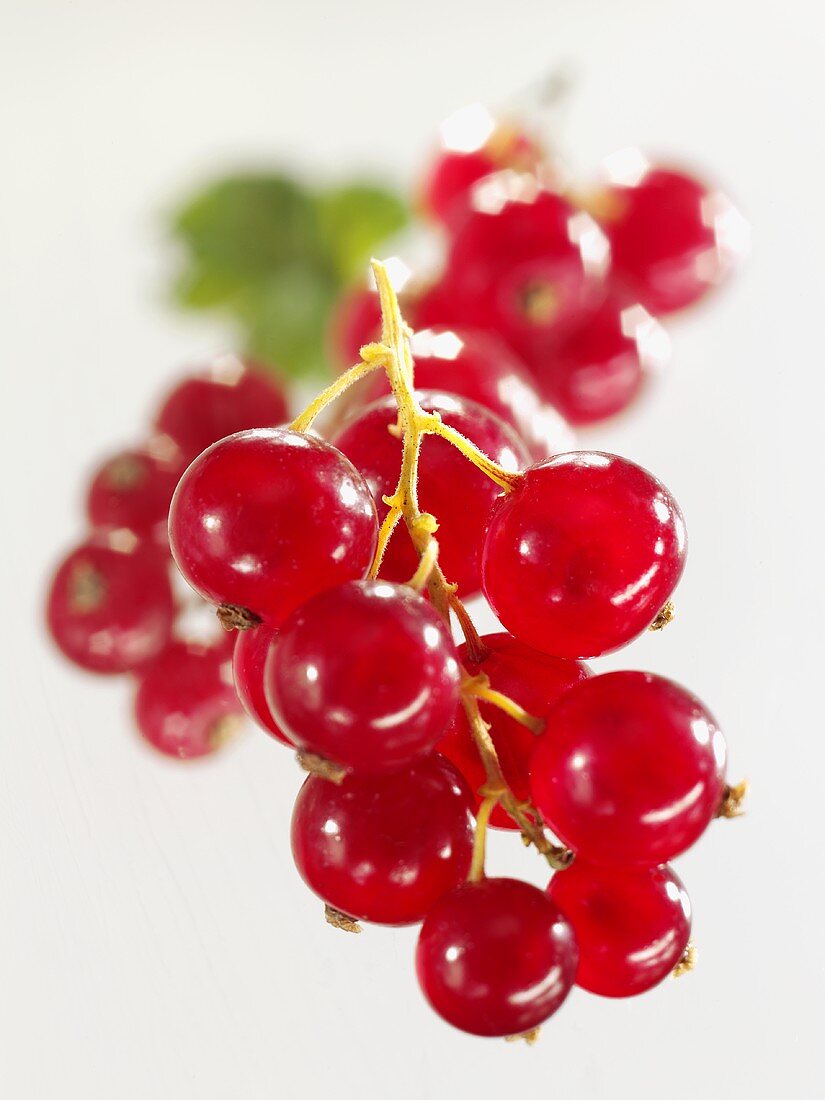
x,y
524,262
533,680
479,366
133,489
248,660
386,847
496,957
672,237
364,674
632,925
185,704
445,477
227,397
596,543
110,606
265,519
630,770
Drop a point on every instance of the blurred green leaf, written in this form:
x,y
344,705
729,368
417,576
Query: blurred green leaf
x,y
273,256
251,224
354,220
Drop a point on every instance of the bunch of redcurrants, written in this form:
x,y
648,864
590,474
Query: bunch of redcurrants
x,y
337,563
566,284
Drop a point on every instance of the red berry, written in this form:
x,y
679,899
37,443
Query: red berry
x,y
598,544
524,262
364,674
533,680
446,478
473,145
496,957
386,847
632,925
133,489
185,704
630,771
248,660
480,366
356,321
672,237
225,398
600,368
110,607
265,519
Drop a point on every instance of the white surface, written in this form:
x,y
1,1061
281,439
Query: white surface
x,y
155,939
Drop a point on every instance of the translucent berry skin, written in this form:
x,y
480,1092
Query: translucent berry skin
x,y
227,397
480,367
670,237
248,660
599,369
110,607
524,262
446,187
265,519
365,674
580,558
533,680
133,489
384,848
496,957
632,925
356,321
185,705
630,770
449,486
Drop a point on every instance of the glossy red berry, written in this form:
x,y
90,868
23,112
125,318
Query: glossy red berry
x,y
265,519
582,555
479,366
632,925
496,957
533,680
601,366
248,660
672,237
228,396
524,262
110,607
630,769
449,486
364,674
473,145
386,847
185,704
133,489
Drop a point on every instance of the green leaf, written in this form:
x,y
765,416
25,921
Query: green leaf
x,y
285,319
250,225
354,220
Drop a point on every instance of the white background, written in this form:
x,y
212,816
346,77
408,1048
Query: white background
x,y
154,938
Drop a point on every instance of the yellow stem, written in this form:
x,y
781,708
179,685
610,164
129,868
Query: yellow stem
x,y
425,566
480,840
507,479
480,687
375,357
415,424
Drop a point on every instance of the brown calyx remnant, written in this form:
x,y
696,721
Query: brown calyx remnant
x,y
733,798
124,472
224,729
539,301
340,920
529,1037
87,588
687,961
319,765
665,616
232,617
